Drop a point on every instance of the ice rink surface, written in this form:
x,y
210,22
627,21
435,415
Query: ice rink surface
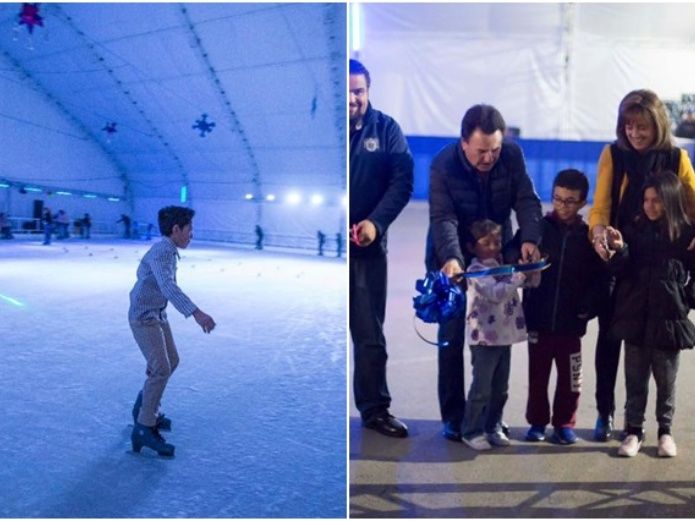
x,y
258,406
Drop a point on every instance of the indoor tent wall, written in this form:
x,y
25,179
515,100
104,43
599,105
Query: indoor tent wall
x,y
555,71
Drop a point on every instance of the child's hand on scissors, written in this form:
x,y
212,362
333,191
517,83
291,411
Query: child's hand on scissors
x,y
363,233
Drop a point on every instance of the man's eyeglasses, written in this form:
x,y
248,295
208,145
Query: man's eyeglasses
x,y
565,202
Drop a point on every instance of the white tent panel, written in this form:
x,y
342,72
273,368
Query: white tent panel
x,y
554,70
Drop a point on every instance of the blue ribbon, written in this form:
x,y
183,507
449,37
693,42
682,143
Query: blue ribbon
x,y
439,300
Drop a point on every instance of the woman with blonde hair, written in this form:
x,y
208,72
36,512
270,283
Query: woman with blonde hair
x,y
643,146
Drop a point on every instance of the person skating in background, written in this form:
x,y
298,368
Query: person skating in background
x,y
321,238
86,226
47,220
126,225
259,237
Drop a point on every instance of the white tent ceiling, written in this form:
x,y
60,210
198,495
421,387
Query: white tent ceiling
x,y
270,76
557,70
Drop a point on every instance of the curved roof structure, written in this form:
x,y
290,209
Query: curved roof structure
x,y
227,103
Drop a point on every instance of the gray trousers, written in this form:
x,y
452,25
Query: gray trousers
x,y
157,345
489,390
640,362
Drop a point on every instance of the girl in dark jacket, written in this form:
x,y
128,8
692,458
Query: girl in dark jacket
x,y
653,265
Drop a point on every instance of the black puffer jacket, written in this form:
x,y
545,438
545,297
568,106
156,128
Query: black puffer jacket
x,y
652,298
460,195
573,285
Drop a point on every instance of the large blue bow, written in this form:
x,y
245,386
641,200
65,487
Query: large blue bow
x,y
440,300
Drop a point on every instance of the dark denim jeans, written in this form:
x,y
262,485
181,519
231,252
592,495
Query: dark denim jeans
x,y
640,362
488,393
367,311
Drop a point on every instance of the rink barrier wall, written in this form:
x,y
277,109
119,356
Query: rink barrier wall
x,y
27,226
544,159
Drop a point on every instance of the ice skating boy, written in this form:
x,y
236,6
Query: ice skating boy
x,y
557,311
155,287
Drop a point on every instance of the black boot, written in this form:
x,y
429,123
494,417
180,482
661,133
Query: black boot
x,y
144,436
163,423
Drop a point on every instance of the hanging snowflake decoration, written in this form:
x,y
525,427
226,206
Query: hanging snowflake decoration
x,y
203,125
110,129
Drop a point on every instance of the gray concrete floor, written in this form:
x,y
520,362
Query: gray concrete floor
x,y
425,475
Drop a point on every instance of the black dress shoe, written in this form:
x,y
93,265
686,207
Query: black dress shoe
x,y
452,431
604,428
387,425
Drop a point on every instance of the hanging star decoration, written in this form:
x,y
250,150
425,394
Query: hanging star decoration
x,y
29,16
203,125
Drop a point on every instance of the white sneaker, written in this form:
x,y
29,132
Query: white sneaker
x,y
498,439
630,446
667,447
477,443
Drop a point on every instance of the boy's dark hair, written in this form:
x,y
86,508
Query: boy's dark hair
x,y
670,191
485,117
170,216
483,227
356,67
572,179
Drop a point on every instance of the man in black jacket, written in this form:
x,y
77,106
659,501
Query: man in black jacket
x,y
381,182
478,177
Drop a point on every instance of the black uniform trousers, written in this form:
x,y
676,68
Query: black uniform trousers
x,y
367,312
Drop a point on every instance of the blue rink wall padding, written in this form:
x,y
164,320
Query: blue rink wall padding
x,y
544,159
